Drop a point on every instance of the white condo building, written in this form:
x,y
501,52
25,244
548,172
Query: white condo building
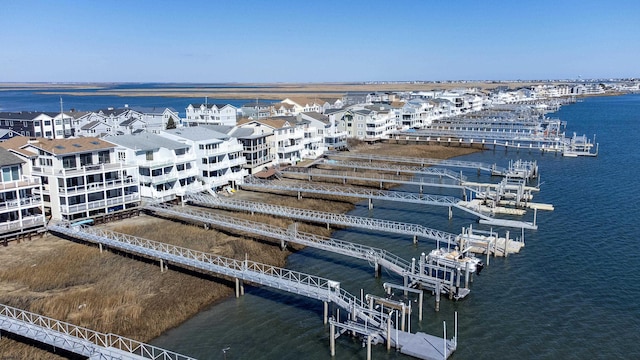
x,y
21,207
211,114
166,168
219,156
80,177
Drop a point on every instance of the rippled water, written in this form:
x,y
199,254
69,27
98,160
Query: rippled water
x,y
572,292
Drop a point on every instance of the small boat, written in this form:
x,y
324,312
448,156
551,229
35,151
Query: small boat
x,y
456,259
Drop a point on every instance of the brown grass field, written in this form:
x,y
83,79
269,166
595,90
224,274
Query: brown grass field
x,y
117,293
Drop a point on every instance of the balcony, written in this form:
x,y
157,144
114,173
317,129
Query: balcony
x,y
93,187
20,204
93,169
155,164
160,179
26,181
119,200
290,148
260,161
26,222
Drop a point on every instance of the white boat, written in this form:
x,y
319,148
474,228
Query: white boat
x,y
456,259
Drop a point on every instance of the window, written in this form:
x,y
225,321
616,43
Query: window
x,y
103,157
47,123
36,123
58,122
86,159
10,173
122,156
69,162
149,155
47,134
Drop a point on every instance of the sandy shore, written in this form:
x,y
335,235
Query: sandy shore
x,y
111,292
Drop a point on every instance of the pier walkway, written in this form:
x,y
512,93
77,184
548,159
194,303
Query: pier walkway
x,y
424,199
324,217
78,340
493,169
509,187
373,324
447,282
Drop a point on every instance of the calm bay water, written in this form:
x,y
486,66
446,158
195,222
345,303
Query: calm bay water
x,y
571,293
49,99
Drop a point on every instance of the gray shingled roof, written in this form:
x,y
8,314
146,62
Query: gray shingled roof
x,y
7,158
19,115
91,125
198,133
224,129
145,141
130,121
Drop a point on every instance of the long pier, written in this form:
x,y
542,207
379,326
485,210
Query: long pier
x,y
512,188
447,282
422,162
576,146
491,244
374,324
78,340
325,217
424,199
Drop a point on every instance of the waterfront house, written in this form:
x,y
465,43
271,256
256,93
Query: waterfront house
x,y
212,114
285,138
166,168
302,104
369,123
156,119
80,177
323,131
257,110
96,128
256,145
220,159
41,124
21,206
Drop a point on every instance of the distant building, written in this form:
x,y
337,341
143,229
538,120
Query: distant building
x,y
211,114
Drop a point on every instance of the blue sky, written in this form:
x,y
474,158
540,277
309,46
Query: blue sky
x,y
317,41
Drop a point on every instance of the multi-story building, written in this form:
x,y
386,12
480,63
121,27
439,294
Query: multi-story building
x,y
219,155
322,133
287,140
255,138
257,110
80,177
369,123
21,208
39,124
211,114
167,168
301,104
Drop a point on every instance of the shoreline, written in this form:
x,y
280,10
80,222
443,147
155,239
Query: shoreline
x,y
114,293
